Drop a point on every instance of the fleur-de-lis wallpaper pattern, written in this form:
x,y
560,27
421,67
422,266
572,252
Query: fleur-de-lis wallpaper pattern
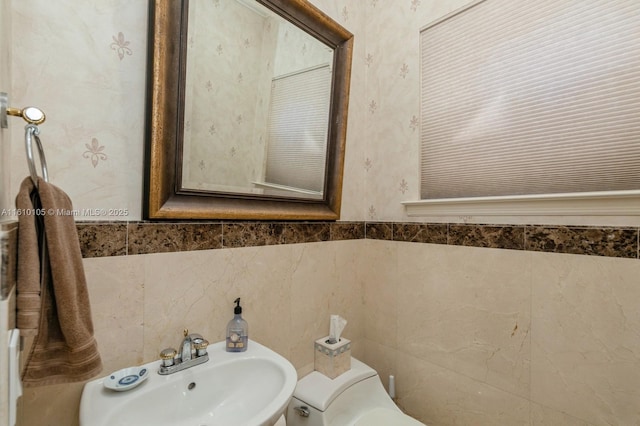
x,y
95,152
121,46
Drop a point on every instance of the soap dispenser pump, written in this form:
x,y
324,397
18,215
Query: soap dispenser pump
x,y
237,330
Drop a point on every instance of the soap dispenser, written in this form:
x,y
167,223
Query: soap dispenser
x,y
237,331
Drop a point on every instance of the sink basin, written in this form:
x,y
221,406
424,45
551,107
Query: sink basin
x,y
246,388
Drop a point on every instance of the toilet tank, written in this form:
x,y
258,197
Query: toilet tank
x,y
338,401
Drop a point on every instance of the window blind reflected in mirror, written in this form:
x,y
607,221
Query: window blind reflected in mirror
x,y
297,130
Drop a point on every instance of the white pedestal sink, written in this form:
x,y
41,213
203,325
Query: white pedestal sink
x,y
246,388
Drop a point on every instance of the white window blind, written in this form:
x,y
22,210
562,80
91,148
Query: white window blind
x,y
531,97
298,126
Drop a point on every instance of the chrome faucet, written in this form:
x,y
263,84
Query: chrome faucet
x,y
193,351
187,344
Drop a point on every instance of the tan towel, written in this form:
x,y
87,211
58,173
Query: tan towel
x,y
30,238
64,349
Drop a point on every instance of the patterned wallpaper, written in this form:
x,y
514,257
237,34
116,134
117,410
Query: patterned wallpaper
x,y
393,102
5,84
84,65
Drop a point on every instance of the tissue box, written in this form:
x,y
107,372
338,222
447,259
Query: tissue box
x,y
332,359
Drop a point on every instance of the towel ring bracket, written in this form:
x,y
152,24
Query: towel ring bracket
x,y
33,116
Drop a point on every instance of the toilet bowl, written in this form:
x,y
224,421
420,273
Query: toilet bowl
x,y
355,398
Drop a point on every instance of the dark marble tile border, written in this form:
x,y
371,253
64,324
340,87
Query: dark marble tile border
x,y
610,242
253,234
379,231
120,238
341,231
146,237
620,242
296,233
433,233
487,236
102,239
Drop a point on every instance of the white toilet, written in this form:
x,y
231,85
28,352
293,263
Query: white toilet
x,y
355,398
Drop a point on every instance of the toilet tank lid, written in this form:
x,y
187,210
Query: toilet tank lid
x,y
319,391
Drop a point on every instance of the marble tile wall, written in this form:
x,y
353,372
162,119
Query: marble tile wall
x,y
480,324
470,320
140,304
487,336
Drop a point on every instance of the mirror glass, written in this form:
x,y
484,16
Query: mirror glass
x,y
256,108
246,110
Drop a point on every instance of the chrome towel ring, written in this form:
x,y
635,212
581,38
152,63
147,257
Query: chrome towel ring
x,y
31,133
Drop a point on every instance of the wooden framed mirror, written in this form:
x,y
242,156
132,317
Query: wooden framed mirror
x,y
203,164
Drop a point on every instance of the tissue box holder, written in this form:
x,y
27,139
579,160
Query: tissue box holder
x,y
332,359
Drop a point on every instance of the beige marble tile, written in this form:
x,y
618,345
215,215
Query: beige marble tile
x,y
115,287
545,416
185,291
313,280
380,297
438,396
467,309
346,295
585,348
262,278
197,290
381,358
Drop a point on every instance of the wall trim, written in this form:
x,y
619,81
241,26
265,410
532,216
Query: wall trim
x,y
590,206
103,239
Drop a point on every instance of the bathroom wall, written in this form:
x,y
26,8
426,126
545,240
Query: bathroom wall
x,y
84,65
479,335
5,85
88,75
5,80
475,332
142,303
483,335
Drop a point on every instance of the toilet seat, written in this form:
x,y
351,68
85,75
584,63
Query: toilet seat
x,y
386,417
354,398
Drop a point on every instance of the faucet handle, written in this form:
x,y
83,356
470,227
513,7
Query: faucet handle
x,y
168,356
201,347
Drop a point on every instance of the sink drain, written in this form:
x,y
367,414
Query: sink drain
x,y
191,386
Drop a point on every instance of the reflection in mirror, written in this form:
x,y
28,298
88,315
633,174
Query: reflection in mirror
x,y
257,97
247,110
